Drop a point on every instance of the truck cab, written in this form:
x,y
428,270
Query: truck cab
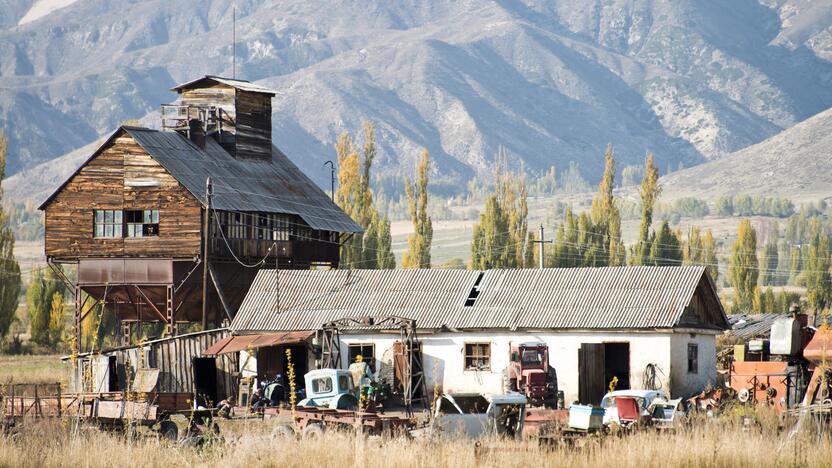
x,y
329,388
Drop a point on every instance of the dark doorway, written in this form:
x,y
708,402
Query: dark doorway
x,y
299,362
617,364
205,381
591,373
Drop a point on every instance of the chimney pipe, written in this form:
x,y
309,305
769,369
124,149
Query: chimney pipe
x,y
196,133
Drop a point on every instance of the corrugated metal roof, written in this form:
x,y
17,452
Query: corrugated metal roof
x,y
234,83
558,298
275,186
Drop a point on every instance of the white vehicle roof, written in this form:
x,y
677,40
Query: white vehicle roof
x,y
636,393
506,398
324,372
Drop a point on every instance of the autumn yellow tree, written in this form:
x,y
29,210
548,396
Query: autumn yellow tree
x,y
605,216
355,197
649,192
419,243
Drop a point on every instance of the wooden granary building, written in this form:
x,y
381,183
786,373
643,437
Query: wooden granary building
x,y
147,233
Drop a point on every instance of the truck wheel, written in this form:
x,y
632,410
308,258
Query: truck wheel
x,y
168,431
283,431
312,432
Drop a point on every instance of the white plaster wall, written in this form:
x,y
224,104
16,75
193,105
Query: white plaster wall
x,y
444,361
684,384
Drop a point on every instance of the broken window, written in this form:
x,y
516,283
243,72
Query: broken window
x,y
141,223
477,356
367,351
107,223
474,293
322,385
693,358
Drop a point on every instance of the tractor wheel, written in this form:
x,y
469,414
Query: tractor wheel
x,y
168,431
312,432
283,431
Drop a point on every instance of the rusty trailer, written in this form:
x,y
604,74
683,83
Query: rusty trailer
x,y
313,421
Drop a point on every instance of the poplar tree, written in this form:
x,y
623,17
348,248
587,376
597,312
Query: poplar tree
x,y
39,297
666,248
770,259
818,279
419,243
649,192
530,258
10,278
744,266
605,216
355,197
700,249
488,247
500,238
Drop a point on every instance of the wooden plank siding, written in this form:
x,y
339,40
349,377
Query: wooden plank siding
x,y
220,96
254,128
103,183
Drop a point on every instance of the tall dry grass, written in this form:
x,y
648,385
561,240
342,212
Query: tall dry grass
x,y
709,443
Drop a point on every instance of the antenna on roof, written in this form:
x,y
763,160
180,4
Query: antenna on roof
x,y
234,42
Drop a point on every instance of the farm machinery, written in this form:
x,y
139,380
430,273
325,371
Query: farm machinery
x,y
529,373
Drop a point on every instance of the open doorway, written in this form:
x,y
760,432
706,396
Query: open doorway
x,y
598,364
617,364
205,381
299,361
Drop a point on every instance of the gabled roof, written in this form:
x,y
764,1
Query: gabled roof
x,y
612,298
242,85
275,186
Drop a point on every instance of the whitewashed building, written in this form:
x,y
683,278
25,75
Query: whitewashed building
x,y
597,322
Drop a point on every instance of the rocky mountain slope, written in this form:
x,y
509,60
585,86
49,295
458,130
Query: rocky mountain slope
x,y
550,81
795,164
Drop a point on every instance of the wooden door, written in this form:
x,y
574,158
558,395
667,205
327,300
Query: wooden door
x,y
591,387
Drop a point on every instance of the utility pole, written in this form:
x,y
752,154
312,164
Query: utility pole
x,y
331,179
540,246
206,237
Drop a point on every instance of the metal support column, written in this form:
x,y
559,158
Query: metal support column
x,y
330,347
126,332
170,322
78,307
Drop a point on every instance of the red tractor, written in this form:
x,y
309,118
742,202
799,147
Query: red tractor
x,y
529,372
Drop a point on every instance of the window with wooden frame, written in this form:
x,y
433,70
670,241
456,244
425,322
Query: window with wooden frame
x,y
693,358
107,224
477,356
141,223
367,351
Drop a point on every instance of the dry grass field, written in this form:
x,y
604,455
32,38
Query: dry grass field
x,y
713,443
32,369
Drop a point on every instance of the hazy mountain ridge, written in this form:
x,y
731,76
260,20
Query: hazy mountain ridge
x,y
795,164
549,81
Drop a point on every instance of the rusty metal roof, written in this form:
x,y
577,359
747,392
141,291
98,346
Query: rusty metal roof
x,y
234,83
558,298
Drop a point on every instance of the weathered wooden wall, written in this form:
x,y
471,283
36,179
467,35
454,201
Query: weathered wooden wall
x,y
220,96
254,126
174,358
103,183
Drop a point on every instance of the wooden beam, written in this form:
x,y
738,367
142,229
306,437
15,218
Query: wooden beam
x,y
152,305
219,291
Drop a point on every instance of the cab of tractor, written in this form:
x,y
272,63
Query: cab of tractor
x,y
529,373
329,388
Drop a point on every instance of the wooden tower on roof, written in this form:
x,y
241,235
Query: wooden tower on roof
x,y
132,218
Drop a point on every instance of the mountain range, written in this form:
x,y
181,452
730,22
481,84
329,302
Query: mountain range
x,y
549,81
